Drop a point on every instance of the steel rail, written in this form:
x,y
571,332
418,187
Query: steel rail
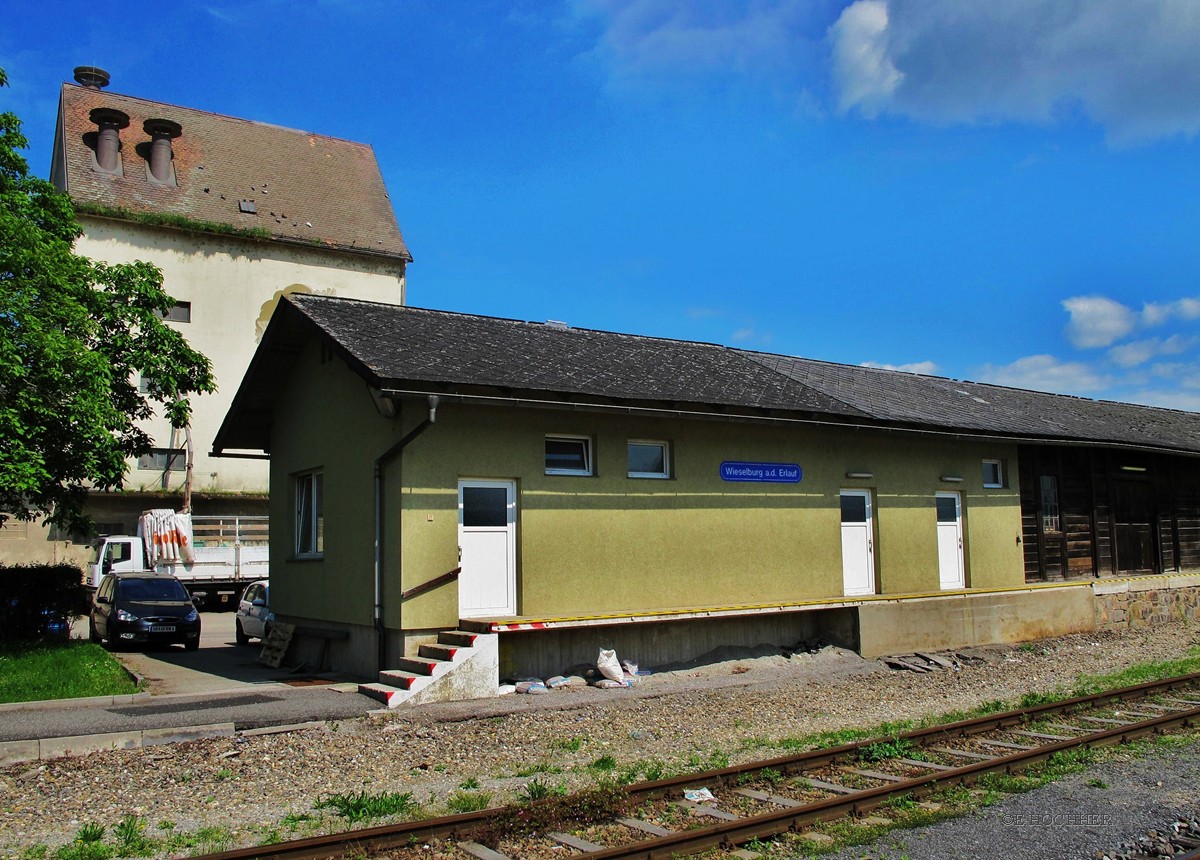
x,y
460,826
733,833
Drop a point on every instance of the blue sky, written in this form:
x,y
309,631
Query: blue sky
x,y
1005,192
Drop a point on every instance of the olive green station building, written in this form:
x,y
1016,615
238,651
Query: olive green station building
x,y
567,489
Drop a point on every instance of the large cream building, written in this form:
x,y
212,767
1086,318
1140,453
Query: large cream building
x,y
236,214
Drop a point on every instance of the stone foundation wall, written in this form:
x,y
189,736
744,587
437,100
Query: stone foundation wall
x,y
1145,602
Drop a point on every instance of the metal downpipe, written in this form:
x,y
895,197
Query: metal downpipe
x,y
380,462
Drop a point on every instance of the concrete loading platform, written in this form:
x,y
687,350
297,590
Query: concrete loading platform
x,y
873,626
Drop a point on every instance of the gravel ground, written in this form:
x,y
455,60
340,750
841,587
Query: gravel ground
x,y
1085,815
248,785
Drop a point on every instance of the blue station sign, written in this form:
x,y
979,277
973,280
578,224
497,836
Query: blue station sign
x,y
761,473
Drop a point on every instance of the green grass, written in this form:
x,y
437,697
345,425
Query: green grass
x,y
883,750
1138,674
536,768
32,672
365,807
1084,685
468,801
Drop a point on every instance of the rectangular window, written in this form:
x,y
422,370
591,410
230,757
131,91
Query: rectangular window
x,y
568,455
182,312
993,474
1050,520
648,459
163,460
310,515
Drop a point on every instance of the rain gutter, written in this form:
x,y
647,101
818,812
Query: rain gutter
x,y
380,462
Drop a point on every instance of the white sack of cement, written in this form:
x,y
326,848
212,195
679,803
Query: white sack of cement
x,y
609,665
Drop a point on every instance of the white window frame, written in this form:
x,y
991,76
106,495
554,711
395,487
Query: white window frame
x,y
310,505
585,441
999,464
666,458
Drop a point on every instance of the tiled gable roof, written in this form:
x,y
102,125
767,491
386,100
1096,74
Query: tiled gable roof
x,y
417,349
419,345
307,188
892,396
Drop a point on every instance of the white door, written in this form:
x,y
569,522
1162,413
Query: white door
x,y
949,538
858,543
487,539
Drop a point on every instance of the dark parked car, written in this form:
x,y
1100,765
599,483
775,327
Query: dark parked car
x,y
144,609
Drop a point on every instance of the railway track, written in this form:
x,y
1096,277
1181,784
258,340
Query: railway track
x,y
766,798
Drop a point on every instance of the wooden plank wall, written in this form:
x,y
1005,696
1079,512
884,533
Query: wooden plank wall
x,y
1085,508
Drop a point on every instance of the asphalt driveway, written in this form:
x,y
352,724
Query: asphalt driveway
x,y
220,682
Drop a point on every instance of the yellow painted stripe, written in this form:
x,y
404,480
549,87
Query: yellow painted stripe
x,y
832,602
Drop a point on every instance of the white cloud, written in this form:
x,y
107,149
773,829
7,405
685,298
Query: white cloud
x,y
1166,398
1140,351
1133,68
751,336
926,367
1097,321
1156,314
865,74
1046,373
643,37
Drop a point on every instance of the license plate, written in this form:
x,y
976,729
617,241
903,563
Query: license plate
x,y
162,628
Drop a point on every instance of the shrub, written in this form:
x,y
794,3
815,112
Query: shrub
x,y
34,596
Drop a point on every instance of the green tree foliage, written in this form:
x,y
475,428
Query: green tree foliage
x,y
75,336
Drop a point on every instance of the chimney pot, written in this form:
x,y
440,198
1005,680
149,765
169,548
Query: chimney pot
x,y
108,143
92,77
161,132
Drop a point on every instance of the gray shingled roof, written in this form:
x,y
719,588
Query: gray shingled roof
x,y
417,349
307,188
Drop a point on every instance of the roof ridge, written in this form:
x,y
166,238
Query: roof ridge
x,y
542,324
70,86
957,381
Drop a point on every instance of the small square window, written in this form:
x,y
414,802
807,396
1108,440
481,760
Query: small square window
x,y
568,455
163,460
181,312
993,474
648,459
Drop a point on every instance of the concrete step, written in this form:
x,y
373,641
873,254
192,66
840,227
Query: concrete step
x,y
449,653
390,696
424,666
469,626
403,680
459,638
474,672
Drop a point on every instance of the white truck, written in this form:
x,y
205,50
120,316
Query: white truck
x,y
214,557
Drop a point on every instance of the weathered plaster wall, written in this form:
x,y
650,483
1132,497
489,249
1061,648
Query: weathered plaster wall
x,y
233,285
611,543
326,421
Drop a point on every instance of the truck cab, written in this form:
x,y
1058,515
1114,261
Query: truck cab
x,y
115,554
